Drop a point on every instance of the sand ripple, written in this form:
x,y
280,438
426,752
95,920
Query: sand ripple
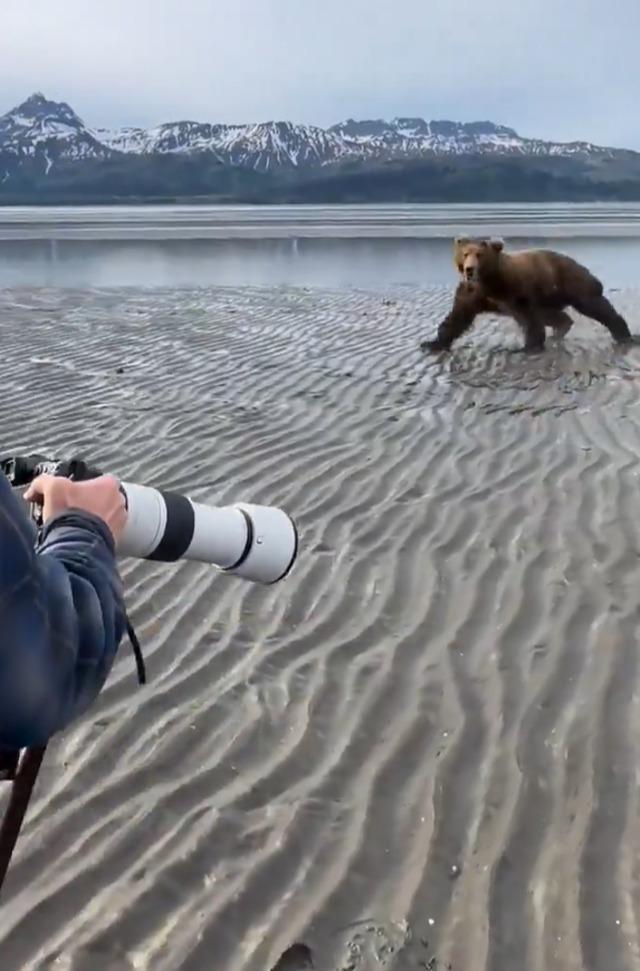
x,y
421,750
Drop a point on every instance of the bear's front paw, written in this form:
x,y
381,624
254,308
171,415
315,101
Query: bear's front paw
x,y
528,349
434,346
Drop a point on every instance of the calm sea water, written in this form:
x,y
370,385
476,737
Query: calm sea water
x,y
342,246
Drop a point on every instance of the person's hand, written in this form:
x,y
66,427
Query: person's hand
x,y
100,496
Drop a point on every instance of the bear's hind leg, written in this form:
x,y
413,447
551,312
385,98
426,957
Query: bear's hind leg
x,y
560,322
600,309
532,327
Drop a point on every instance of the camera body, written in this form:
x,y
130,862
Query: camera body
x,y
23,469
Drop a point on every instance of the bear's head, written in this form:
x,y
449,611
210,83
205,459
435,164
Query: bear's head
x,y
476,258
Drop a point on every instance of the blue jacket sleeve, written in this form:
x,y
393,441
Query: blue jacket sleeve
x,y
62,618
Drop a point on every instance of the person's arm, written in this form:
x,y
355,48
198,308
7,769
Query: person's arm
x,y
62,614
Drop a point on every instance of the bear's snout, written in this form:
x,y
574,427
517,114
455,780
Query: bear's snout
x,y
470,273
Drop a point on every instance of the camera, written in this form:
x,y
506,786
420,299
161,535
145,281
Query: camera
x,y
258,543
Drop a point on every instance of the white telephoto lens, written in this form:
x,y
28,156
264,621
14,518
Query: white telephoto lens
x,y
258,543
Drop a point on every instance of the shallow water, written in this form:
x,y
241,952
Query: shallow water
x,y
363,247
332,263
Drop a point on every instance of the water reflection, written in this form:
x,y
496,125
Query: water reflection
x,y
334,263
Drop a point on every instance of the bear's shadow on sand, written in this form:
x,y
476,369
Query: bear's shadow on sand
x,y
571,366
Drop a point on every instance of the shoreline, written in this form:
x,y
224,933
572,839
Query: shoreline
x,y
309,222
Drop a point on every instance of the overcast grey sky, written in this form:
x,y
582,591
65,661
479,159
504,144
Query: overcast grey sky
x,y
551,68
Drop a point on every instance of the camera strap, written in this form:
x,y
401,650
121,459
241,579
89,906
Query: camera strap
x,y
137,653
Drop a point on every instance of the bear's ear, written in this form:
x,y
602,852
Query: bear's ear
x,y
461,241
497,245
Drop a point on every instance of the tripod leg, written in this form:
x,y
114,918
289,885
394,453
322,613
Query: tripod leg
x,y
21,789
8,765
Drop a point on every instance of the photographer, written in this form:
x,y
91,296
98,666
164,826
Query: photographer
x,y
62,613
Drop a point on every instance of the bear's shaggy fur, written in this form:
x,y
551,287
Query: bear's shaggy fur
x,y
532,286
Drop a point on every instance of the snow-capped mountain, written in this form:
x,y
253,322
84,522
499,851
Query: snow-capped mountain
x,y
49,132
277,144
265,147
411,137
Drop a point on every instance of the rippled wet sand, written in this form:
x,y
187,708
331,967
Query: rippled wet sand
x,y
421,750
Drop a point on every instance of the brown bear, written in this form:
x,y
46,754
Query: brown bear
x,y
558,320
532,286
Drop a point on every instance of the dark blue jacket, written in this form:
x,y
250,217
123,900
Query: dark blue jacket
x,y
62,617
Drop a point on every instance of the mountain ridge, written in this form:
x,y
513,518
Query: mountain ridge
x,y
44,144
